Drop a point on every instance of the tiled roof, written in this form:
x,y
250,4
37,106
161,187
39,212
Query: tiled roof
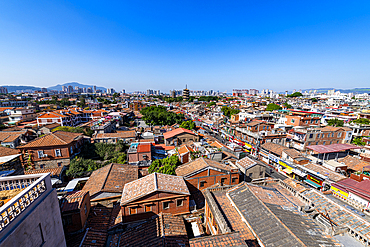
x,y
151,183
275,219
10,136
338,214
4,151
53,171
111,178
51,126
228,239
232,217
333,176
185,149
73,200
176,132
56,138
198,164
161,230
121,134
51,115
246,162
353,163
292,153
144,147
273,147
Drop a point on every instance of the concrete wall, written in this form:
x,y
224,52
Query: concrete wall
x,y
43,226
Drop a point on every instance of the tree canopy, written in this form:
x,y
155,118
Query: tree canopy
x,y
273,107
211,104
96,155
287,105
167,165
228,111
361,121
296,94
335,122
188,125
158,115
358,141
86,131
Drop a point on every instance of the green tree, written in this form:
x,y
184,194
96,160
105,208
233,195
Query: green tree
x,y
362,121
335,122
287,105
296,94
188,125
358,141
228,111
314,100
158,115
166,166
80,167
273,107
81,103
211,104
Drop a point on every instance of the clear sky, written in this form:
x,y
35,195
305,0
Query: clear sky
x,y
219,45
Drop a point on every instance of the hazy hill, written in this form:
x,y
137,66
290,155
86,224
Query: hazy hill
x,y
74,84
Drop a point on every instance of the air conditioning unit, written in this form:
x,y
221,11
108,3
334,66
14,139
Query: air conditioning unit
x,y
45,156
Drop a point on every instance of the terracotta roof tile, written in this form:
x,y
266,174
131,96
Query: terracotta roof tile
x,y
4,151
73,200
151,183
199,164
56,138
121,134
176,132
228,239
161,230
53,171
111,178
353,163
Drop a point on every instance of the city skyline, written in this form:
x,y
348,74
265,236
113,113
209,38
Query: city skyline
x,y
222,46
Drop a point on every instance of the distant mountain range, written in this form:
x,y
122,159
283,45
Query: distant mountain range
x,y
74,84
56,87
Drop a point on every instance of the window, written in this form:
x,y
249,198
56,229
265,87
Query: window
x,y
223,181
250,175
41,166
71,150
261,173
317,143
292,120
339,134
40,153
202,183
179,203
58,153
308,143
133,211
311,136
332,134
323,143
148,208
59,164
234,180
166,205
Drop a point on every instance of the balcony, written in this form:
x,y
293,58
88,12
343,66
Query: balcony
x,y
17,206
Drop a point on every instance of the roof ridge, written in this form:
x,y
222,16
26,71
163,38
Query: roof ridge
x,y
53,133
105,180
155,181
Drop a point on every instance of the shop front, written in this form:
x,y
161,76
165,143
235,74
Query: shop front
x,y
314,181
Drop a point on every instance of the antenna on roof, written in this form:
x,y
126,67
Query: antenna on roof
x,y
186,86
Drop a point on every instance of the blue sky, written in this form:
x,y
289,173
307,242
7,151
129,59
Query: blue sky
x,y
219,45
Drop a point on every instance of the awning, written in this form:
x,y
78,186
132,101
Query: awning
x,y
288,171
309,182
